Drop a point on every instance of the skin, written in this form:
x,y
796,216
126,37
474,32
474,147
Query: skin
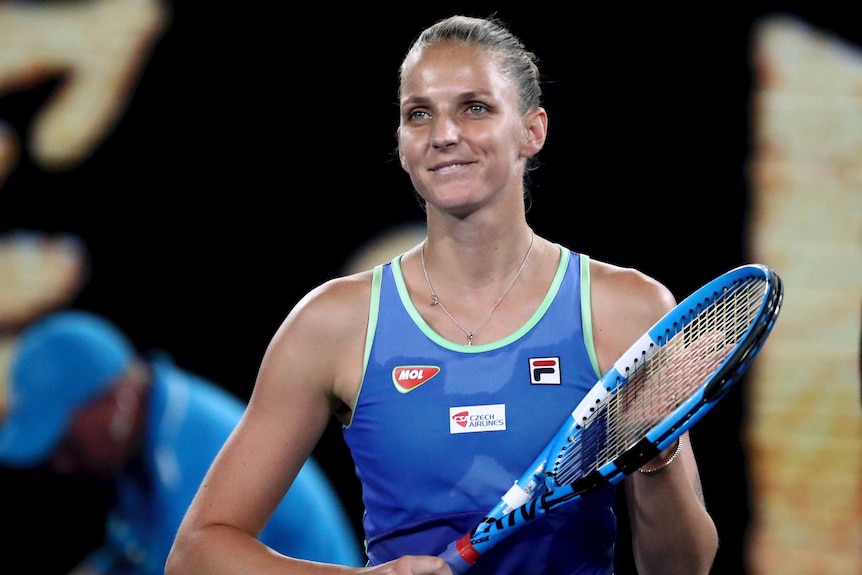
x,y
465,147
105,434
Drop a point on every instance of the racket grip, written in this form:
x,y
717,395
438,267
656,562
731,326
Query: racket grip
x,y
456,561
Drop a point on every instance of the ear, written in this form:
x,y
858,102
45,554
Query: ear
x,y
536,125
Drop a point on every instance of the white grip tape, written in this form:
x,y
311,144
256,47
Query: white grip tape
x,y
515,496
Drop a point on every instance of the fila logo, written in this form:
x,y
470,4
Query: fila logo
x,y
410,377
477,418
545,370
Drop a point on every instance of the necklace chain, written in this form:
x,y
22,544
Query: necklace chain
x,y
435,299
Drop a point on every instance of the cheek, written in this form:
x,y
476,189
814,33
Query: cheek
x,y
410,158
406,149
90,428
508,140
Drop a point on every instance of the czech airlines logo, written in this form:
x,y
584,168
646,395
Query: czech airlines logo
x,y
477,418
545,370
410,377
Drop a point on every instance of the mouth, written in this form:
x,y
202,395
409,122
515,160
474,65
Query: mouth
x,y
448,167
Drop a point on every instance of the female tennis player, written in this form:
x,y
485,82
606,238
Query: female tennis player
x,y
452,365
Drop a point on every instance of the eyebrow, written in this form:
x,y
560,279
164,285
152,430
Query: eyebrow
x,y
465,97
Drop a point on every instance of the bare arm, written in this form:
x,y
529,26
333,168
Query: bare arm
x,y
311,368
671,529
286,415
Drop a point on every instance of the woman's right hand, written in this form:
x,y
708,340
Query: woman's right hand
x,y
411,565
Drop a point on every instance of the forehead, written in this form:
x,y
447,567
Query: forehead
x,y
452,68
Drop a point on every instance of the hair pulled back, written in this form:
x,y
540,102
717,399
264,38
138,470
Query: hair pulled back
x,y
515,61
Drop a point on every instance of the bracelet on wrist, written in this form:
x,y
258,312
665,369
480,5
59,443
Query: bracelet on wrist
x,y
668,461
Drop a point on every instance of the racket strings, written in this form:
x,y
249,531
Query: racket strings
x,y
659,384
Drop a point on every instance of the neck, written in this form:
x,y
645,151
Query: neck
x,y
475,258
436,302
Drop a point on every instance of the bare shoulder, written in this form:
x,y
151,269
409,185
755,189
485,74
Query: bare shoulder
x,y
625,303
320,345
338,300
633,290
331,317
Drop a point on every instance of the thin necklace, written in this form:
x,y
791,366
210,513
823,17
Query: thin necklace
x,y
435,300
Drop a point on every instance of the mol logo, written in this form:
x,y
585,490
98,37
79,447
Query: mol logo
x,y
410,377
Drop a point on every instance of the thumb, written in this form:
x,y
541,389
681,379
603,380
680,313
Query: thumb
x,y
429,565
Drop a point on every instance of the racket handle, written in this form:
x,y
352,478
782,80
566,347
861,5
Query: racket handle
x,y
453,556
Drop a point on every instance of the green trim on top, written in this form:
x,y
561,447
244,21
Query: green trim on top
x,y
373,314
445,343
587,314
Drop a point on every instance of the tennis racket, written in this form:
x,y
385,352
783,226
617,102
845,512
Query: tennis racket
x,y
660,387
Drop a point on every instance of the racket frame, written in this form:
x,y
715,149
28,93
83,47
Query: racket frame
x,y
531,495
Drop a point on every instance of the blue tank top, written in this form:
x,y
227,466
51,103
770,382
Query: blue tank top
x,y
441,430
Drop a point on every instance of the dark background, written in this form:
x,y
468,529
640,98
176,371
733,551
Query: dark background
x,y
256,157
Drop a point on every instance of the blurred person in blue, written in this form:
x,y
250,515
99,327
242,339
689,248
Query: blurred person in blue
x,y
83,401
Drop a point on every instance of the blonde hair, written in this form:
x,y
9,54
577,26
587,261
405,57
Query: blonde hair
x,y
515,61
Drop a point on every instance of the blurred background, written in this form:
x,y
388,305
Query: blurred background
x,y
216,163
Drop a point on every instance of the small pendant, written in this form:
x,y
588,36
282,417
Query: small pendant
x,y
435,298
469,339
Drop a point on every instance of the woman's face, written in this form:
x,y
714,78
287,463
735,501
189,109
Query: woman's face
x,y
461,137
98,442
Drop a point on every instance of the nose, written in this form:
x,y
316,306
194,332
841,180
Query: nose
x,y
444,131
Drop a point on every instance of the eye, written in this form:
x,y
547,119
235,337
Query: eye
x,y
417,115
474,109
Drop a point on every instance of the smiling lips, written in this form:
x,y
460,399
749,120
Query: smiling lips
x,y
448,166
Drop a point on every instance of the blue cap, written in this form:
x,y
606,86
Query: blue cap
x,y
58,365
